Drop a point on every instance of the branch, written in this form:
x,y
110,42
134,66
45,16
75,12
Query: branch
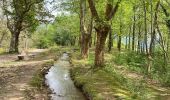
x,y
9,26
164,10
110,11
93,10
167,2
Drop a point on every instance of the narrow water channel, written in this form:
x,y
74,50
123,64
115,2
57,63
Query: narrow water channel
x,y
59,81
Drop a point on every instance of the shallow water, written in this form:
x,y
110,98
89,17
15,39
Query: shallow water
x,y
59,81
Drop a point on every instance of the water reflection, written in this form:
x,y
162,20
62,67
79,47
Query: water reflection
x,y
58,80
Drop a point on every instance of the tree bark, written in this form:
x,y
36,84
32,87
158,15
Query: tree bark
x,y
145,26
110,44
2,37
152,30
85,32
129,40
85,45
14,42
148,55
102,28
134,29
168,25
102,33
126,44
119,43
139,40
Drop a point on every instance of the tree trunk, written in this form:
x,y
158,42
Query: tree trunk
x,y
168,25
134,29
94,41
119,43
85,34
145,26
14,42
91,42
152,31
2,38
102,33
129,46
126,44
110,44
149,57
139,40
85,45
102,28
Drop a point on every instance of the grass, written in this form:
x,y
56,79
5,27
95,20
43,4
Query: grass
x,y
108,83
103,84
138,63
93,82
38,79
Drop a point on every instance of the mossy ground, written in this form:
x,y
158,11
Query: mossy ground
x,y
111,82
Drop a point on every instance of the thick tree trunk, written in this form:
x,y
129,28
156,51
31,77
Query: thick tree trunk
x,y
85,31
85,45
102,33
14,42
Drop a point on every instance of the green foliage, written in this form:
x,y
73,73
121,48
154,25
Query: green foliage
x,y
63,31
134,61
37,80
43,43
137,62
24,12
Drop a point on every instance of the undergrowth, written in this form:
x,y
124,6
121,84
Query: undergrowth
x,y
138,63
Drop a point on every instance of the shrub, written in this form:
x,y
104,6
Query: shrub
x,y
43,43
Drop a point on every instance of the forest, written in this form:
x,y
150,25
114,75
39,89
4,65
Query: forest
x,y
85,49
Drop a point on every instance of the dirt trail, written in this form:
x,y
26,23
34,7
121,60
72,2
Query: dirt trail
x,y
15,77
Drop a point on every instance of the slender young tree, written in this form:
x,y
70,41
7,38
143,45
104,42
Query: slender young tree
x,y
134,27
167,14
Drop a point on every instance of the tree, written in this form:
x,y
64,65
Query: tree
x,y
167,20
102,27
20,15
86,30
